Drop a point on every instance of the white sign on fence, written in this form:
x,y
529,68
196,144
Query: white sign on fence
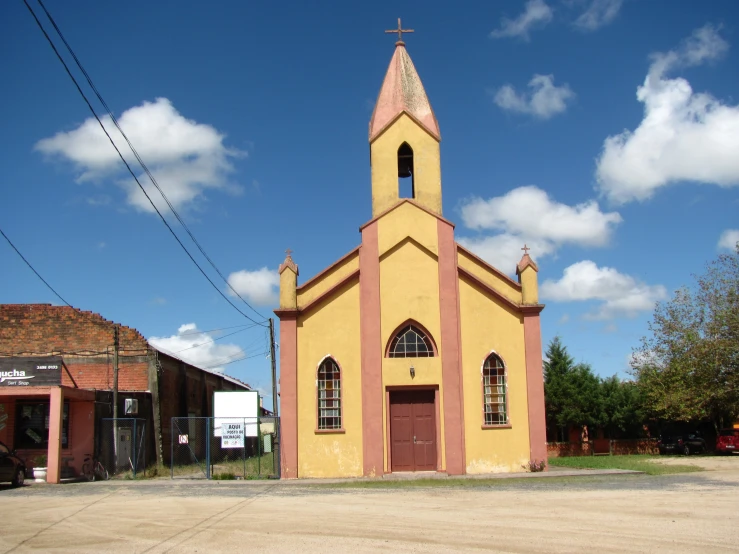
x,y
232,434
236,404
184,439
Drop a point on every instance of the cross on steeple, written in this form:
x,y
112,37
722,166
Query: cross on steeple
x,y
525,250
288,252
400,32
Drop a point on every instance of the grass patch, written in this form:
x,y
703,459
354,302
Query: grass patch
x,y
638,462
251,468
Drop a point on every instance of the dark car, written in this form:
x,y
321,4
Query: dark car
x,y
12,468
687,444
727,441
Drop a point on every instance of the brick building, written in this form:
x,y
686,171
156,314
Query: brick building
x,y
56,381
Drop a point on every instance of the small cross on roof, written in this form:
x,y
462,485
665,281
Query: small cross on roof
x,y
525,250
400,32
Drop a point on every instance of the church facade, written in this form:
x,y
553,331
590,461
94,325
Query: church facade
x,y
409,353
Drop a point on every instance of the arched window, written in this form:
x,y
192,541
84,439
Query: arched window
x,y
329,395
405,170
494,397
411,342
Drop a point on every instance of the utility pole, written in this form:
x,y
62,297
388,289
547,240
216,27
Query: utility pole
x,y
115,395
274,394
115,371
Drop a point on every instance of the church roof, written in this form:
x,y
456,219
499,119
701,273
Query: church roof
x,y
402,91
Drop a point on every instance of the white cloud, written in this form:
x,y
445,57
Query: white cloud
x,y
684,136
598,14
544,101
259,287
528,215
621,295
728,239
185,157
198,348
536,14
530,211
504,250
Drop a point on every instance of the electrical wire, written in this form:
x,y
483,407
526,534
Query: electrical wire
x,y
136,154
59,296
214,330
237,360
128,167
212,340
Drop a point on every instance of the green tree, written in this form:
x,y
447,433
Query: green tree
x,y
571,392
688,369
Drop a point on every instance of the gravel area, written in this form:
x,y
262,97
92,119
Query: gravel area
x,y
608,513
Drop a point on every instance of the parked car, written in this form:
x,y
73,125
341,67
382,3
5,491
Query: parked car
x,y
12,468
727,441
687,444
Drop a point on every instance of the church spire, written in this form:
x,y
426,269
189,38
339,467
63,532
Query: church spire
x,y
402,91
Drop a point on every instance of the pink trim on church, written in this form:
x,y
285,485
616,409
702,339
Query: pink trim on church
x,y
371,341
451,360
289,395
535,386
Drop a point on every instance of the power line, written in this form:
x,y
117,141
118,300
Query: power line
x,y
237,360
136,154
36,272
128,167
212,340
214,330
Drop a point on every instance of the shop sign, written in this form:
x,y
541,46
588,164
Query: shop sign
x,y
232,434
31,372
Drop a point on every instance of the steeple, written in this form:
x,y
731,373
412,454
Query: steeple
x,y
404,138
402,91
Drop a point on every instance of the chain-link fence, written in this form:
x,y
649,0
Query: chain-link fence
x,y
224,448
122,445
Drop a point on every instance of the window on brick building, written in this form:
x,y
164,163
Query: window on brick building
x,y
329,395
32,425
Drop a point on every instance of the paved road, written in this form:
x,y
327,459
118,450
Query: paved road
x,y
695,512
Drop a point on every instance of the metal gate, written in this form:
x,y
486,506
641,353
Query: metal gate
x,y
122,444
224,448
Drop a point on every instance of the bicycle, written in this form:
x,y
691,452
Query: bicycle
x,y
92,469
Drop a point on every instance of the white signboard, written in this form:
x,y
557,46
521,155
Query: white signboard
x,y
239,405
232,434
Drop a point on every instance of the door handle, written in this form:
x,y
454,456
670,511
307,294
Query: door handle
x,y
414,439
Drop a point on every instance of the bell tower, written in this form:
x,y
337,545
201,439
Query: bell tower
x,y
404,138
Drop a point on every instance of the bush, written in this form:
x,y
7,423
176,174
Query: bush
x,y
535,466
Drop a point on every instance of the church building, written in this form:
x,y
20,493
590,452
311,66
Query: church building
x,y
409,353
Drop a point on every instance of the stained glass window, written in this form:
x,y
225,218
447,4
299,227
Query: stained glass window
x,y
494,391
329,395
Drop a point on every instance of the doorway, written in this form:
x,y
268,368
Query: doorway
x,y
413,430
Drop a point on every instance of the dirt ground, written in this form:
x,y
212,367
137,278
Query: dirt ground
x,y
696,512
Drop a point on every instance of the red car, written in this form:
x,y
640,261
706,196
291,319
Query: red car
x,y
727,441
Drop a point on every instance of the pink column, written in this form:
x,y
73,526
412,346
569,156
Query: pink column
x,y
56,410
451,360
369,295
289,396
535,385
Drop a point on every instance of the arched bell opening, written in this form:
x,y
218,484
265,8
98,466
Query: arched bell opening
x,y
406,184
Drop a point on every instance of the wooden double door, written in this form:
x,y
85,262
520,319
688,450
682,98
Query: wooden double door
x,y
412,430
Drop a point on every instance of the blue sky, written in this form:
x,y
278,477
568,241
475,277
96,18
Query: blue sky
x,y
602,133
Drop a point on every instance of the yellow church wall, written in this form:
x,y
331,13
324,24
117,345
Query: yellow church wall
x,y
404,221
330,329
409,289
487,326
426,163
497,282
314,288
